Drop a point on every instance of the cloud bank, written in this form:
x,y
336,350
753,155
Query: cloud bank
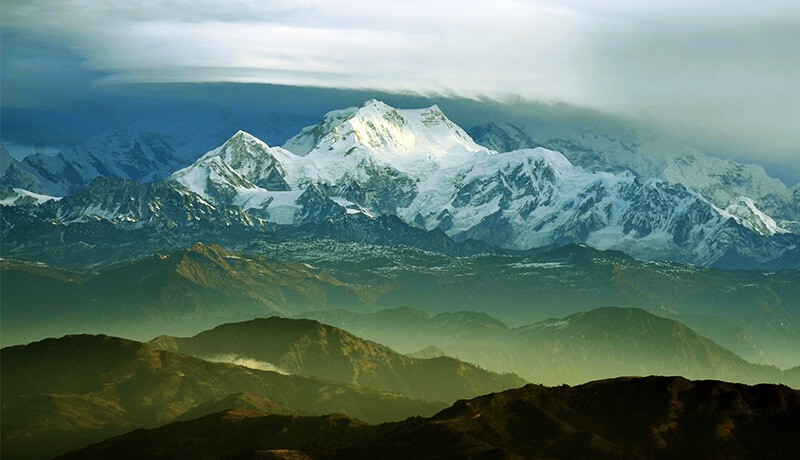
x,y
727,69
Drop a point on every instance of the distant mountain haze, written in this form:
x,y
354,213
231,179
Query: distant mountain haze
x,y
187,291
557,256
306,347
580,347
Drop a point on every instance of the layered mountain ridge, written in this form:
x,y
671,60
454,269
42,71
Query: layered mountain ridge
x,y
624,418
180,292
596,344
307,347
61,394
466,264
364,164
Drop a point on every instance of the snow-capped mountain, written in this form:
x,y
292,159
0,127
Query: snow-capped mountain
x,y
241,172
131,153
393,135
134,205
370,160
379,174
114,220
418,165
20,197
608,147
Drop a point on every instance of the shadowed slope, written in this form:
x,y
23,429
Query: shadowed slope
x,y
628,418
61,394
307,347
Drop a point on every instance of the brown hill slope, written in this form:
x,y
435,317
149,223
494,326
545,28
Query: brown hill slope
x,y
301,346
61,394
202,285
628,418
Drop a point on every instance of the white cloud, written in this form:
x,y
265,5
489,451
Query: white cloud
x,y
469,48
724,67
244,361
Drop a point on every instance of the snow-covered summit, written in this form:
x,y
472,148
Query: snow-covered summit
x,y
395,136
348,154
599,144
420,167
241,171
247,156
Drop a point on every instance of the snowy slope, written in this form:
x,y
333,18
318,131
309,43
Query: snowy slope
x,y
132,153
721,180
421,167
607,147
18,196
746,213
534,198
369,160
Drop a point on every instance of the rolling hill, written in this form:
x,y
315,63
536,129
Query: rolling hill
x,y
756,314
62,394
306,347
600,343
623,418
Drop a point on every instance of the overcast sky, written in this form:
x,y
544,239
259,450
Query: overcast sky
x,y
718,70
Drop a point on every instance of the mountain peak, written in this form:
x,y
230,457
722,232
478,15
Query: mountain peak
x,y
377,104
244,164
390,134
243,136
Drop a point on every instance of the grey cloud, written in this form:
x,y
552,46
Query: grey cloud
x,y
722,71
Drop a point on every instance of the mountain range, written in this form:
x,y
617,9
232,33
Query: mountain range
x,y
61,394
753,313
374,164
194,288
418,165
328,298
136,153
627,418
114,221
190,290
306,347
607,146
592,345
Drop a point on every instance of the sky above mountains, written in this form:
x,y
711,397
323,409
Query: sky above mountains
x,y
723,73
